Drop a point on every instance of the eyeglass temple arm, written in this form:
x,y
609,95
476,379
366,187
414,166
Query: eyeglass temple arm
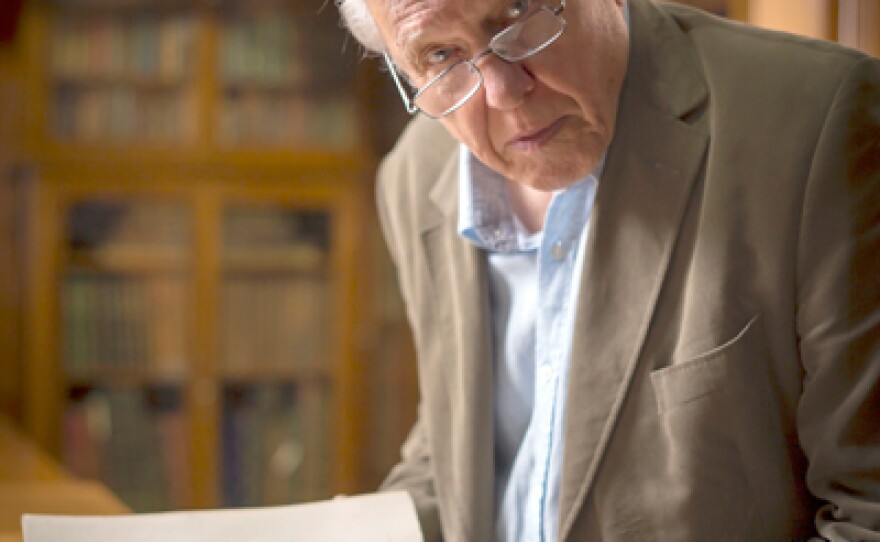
x,y
559,8
411,108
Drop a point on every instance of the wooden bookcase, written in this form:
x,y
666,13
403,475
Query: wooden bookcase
x,y
192,332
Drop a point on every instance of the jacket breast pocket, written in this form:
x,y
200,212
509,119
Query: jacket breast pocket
x,y
707,408
704,374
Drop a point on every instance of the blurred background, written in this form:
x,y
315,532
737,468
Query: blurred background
x,y
196,307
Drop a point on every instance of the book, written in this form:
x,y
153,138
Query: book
x,y
377,517
264,446
135,468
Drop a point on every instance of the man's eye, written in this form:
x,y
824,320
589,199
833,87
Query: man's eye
x,y
517,8
438,57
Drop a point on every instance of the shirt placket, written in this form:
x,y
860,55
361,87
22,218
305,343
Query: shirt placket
x,y
554,276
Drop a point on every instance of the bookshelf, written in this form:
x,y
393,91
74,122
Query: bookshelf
x,y
199,327
192,323
120,77
193,80
282,79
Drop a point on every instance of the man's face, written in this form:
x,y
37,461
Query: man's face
x,y
545,121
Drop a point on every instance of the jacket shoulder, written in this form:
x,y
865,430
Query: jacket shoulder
x,y
747,50
416,160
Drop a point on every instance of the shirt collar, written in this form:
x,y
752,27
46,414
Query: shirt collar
x,y
486,217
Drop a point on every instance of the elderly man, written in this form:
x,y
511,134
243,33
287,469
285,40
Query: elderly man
x,y
640,252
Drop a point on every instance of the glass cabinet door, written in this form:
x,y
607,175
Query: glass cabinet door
x,y
120,74
285,76
124,295
276,355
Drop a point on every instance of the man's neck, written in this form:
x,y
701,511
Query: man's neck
x,y
529,204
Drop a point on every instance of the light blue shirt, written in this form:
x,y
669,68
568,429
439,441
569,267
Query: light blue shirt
x,y
533,282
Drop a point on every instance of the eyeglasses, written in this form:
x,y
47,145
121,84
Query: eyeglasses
x,y
455,85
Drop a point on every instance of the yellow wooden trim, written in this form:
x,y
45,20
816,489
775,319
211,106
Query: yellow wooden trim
x,y
805,17
203,398
354,277
41,373
10,299
207,74
34,34
738,10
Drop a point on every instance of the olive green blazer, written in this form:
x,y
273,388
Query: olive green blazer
x,y
726,356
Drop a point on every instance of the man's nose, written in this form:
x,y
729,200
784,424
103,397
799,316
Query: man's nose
x,y
506,84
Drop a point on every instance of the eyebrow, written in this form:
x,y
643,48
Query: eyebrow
x,y
416,33
408,19
410,45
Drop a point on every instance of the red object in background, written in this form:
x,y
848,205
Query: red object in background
x,y
9,13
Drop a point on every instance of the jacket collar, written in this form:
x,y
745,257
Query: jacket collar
x,y
654,159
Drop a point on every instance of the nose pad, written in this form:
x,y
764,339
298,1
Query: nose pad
x,y
506,84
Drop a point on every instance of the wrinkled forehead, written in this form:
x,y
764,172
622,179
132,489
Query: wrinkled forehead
x,y
405,23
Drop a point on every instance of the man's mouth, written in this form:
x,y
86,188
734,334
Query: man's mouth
x,y
534,139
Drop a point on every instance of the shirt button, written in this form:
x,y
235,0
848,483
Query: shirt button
x,y
545,373
558,250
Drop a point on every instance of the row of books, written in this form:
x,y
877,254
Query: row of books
x,y
104,44
134,440
287,119
287,43
276,443
266,49
99,223
123,113
276,322
278,48
138,323
275,226
134,323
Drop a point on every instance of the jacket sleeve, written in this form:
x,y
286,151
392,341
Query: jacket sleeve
x,y
838,312
394,197
413,474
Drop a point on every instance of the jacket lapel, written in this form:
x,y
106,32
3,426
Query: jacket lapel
x,y
650,169
464,402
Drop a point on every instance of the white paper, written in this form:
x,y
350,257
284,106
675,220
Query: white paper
x,y
377,517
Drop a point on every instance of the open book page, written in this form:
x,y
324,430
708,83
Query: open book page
x,y
378,517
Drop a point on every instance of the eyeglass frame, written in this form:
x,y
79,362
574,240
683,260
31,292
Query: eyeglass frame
x,y
409,103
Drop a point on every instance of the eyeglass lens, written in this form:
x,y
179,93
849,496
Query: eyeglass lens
x,y
517,42
528,37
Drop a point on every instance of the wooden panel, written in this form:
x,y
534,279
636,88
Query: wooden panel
x,y
10,378
859,24
31,482
63,496
738,10
20,460
812,18
11,126
203,398
43,393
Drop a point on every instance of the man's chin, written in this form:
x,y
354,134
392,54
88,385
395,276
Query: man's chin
x,y
551,174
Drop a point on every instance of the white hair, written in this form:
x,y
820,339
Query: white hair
x,y
360,23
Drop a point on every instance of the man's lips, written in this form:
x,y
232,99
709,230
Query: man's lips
x,y
535,138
